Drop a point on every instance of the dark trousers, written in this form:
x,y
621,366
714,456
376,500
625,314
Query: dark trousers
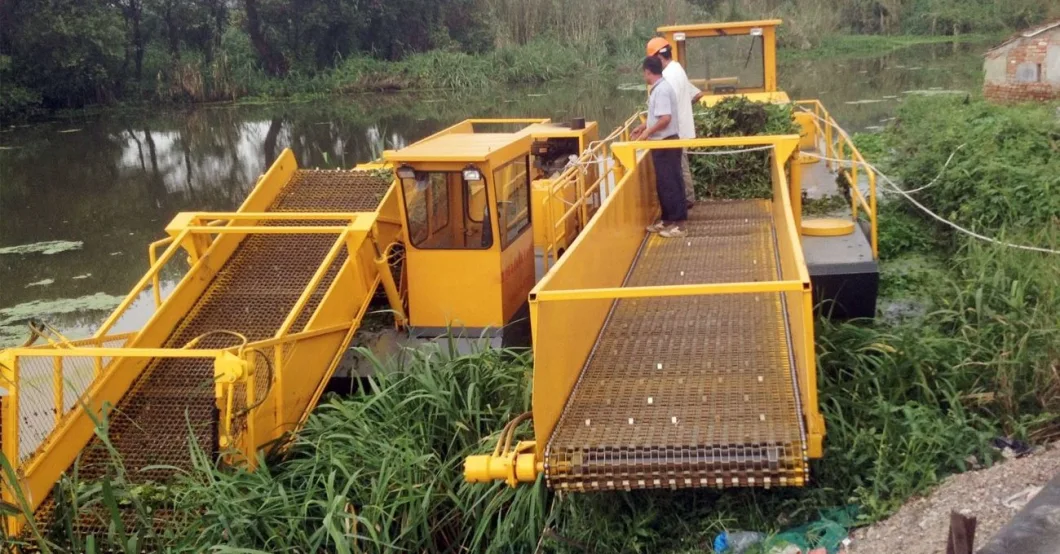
x,y
670,184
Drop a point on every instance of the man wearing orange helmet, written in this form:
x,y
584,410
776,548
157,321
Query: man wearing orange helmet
x,y
687,95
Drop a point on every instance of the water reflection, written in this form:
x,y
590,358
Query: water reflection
x,y
114,180
889,78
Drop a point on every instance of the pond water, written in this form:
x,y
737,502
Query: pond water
x,y
109,183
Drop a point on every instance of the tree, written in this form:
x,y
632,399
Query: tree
x,y
271,58
72,52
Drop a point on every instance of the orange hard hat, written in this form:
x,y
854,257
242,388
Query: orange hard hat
x,y
656,44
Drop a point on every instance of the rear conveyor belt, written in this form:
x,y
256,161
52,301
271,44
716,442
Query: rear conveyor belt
x,y
689,391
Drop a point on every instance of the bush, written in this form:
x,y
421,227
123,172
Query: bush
x,y
1006,174
901,231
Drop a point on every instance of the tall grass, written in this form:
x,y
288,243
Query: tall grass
x,y
582,22
1004,172
378,471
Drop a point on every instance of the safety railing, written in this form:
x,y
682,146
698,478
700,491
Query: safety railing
x,y
841,155
582,288
40,390
586,181
47,388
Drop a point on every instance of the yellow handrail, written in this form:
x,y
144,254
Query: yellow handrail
x,y
848,165
597,152
147,279
152,257
314,282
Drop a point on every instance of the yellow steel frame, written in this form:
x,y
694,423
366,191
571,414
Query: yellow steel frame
x,y
582,286
467,126
209,239
560,231
769,45
839,146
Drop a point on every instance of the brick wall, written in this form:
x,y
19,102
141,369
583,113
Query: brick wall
x,y
1020,92
1026,50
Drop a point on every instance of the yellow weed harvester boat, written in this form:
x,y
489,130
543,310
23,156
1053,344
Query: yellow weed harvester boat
x,y
657,363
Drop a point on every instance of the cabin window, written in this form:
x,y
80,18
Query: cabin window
x,y
444,211
718,64
513,199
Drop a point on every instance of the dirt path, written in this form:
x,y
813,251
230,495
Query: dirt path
x,y
992,495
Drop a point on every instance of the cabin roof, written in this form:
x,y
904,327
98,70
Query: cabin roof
x,y
463,147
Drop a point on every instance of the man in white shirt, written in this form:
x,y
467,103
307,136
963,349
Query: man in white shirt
x,y
687,96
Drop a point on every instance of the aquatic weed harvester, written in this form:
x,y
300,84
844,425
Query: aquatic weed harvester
x,y
658,363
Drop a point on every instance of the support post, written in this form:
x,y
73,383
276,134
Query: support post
x,y
57,385
393,295
9,382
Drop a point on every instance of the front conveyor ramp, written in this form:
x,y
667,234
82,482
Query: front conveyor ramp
x,y
689,391
252,295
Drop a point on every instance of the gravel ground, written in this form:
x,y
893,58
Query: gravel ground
x,y
992,495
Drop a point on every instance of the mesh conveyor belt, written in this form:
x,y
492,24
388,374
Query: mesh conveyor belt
x,y
689,391
252,294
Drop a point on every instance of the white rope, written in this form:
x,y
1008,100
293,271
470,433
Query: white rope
x,y
937,217
939,176
906,194
727,152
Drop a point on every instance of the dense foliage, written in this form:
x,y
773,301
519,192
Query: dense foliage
x,y
1005,167
71,53
718,174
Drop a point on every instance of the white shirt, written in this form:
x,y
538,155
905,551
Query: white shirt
x,y
685,91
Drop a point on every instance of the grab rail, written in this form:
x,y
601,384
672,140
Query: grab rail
x,y
580,209
839,146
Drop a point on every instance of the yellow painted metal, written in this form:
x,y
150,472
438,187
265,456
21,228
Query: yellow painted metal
x,y
615,293
827,227
472,287
516,466
722,28
451,287
259,399
605,250
565,188
839,146
798,306
776,97
581,289
464,148
575,195
783,146
766,27
547,211
809,136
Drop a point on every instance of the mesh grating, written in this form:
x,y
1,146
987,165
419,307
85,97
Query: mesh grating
x,y
689,391
252,294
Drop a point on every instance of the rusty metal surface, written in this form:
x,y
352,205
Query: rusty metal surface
x,y
252,294
689,391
